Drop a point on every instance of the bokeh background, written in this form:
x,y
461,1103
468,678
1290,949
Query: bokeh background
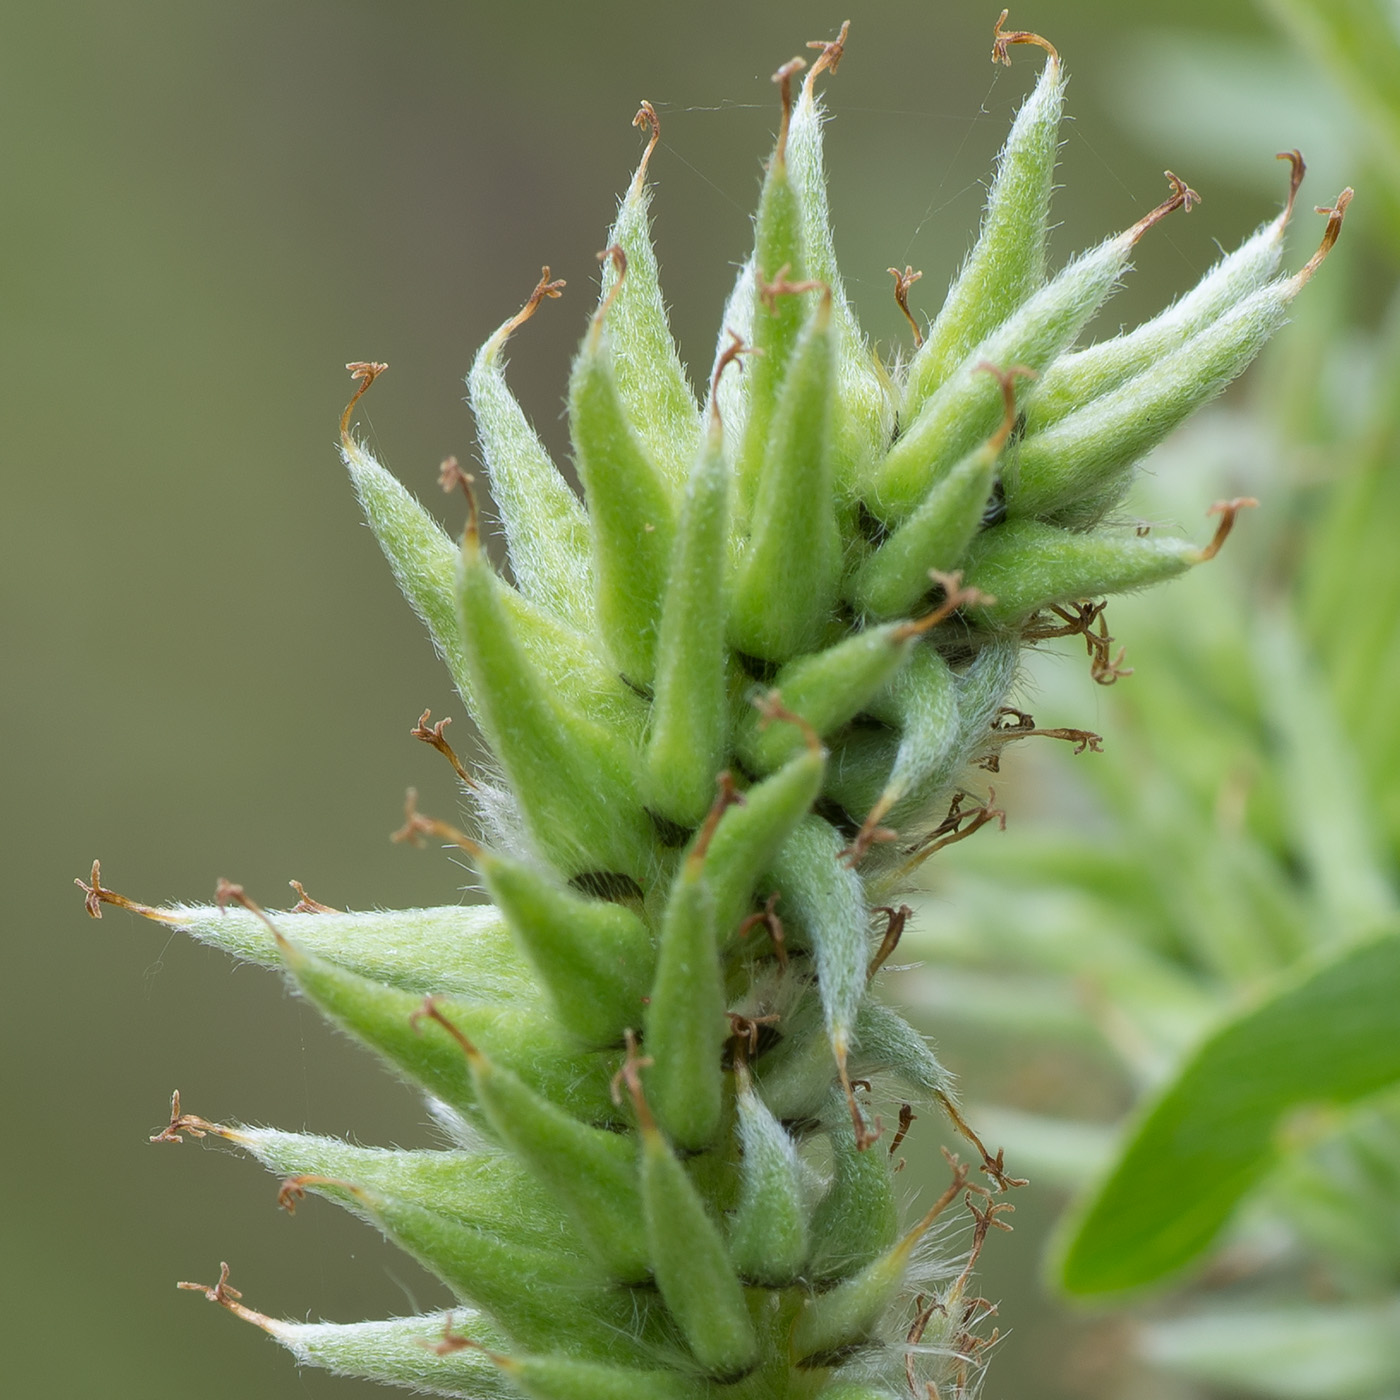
x,y
207,210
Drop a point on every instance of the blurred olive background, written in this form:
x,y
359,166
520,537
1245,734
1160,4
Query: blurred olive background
x,y
208,210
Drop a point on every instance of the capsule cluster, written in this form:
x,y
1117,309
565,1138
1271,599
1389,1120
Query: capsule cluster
x,y
728,696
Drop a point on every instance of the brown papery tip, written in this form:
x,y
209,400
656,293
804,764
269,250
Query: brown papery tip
x,y
95,896
366,371
619,262
450,477
543,288
416,826
955,596
871,833
435,737
1298,167
1007,379
902,282
292,1191
306,905
192,1124
832,52
1182,197
783,286
728,356
631,1075
866,1137
226,893
1335,214
770,707
1003,39
431,1011
646,118
783,78
1227,511
230,1298
727,797
451,1341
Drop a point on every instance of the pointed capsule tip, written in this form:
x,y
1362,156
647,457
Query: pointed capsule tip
x,y
829,60
646,119
366,372
545,287
783,77
1003,39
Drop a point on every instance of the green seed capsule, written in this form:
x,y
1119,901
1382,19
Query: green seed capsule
x,y
768,1233
1078,378
486,1191
590,1172
692,1269
1008,262
526,1039
595,958
402,1351
685,1022
1085,460
539,1297
845,1316
421,557
863,409
1027,565
651,381
827,689
964,411
827,900
546,530
936,536
749,836
858,1217
565,1378
775,321
462,950
575,781
689,717
786,585
630,509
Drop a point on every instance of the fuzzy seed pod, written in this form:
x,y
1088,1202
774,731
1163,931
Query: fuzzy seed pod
x,y
809,595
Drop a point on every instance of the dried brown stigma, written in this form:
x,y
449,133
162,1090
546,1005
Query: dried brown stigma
x,y
366,371
902,282
1003,39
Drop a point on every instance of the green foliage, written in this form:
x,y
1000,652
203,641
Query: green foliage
x,y
663,1025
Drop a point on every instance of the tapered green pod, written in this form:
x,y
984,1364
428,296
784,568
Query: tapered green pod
x,y
566,1378
827,899
858,1217
525,1038
785,588
546,530
750,834
540,1297
1086,458
845,1315
826,689
685,1022
591,1172
935,537
575,781
486,1191
768,1233
775,320
689,1260
594,957
1007,263
1081,376
863,404
463,950
631,507
651,380
1027,565
689,715
402,1351
964,410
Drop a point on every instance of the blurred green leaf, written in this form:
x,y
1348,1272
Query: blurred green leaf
x,y
1329,1033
